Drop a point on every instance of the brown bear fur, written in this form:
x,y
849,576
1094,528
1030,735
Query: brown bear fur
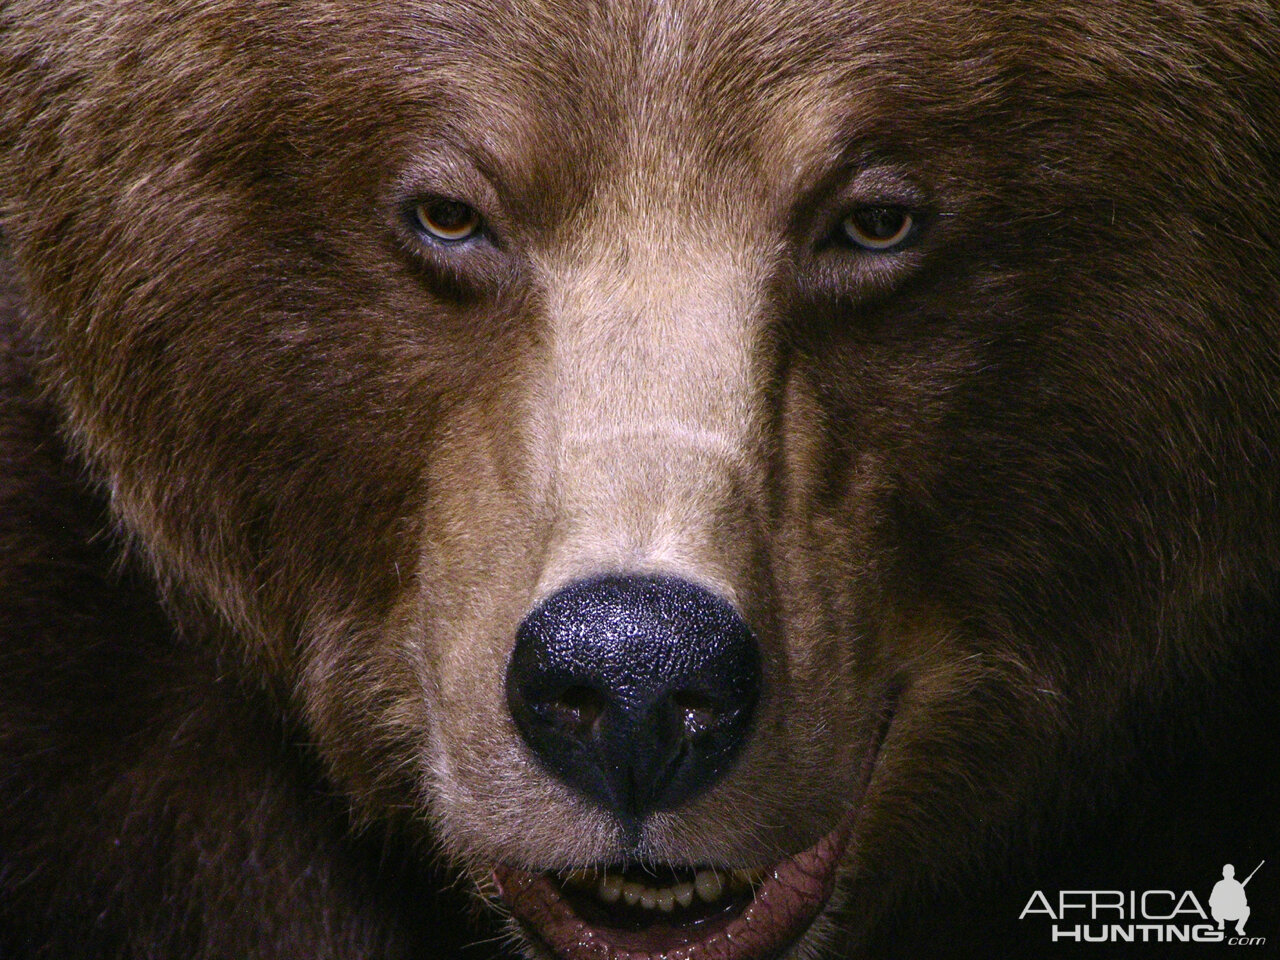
x,y
279,477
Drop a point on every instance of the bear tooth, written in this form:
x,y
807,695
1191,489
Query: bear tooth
x,y
708,885
752,878
609,888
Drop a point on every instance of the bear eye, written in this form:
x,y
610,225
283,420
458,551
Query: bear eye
x,y
446,220
879,228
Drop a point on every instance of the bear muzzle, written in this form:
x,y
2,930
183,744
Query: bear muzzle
x,y
639,692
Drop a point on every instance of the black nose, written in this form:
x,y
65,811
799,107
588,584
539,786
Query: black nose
x,y
636,690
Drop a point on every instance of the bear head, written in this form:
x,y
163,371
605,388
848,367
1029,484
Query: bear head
x,y
749,456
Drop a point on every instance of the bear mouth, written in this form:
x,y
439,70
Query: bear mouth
x,y
656,912
638,911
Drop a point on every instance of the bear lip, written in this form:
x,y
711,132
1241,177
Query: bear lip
x,y
782,907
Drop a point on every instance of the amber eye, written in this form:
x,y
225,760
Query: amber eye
x,y
449,221
879,228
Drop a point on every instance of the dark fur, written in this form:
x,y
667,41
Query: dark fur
x,y
256,447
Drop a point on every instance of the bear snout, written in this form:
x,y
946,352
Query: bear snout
x,y
636,691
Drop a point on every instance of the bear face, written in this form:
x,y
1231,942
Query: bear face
x,y
938,345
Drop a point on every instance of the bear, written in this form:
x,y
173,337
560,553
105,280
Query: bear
x,y
636,479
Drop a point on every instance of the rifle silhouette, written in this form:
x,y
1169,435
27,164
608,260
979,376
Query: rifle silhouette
x,y
1250,876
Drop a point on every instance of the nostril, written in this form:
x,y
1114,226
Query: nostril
x,y
698,713
576,712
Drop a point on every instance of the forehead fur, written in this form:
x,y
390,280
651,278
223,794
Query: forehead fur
x,y
549,98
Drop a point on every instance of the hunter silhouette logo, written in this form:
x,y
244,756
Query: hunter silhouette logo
x,y
1228,900
1147,916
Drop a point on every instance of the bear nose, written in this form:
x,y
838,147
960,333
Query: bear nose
x,y
637,691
